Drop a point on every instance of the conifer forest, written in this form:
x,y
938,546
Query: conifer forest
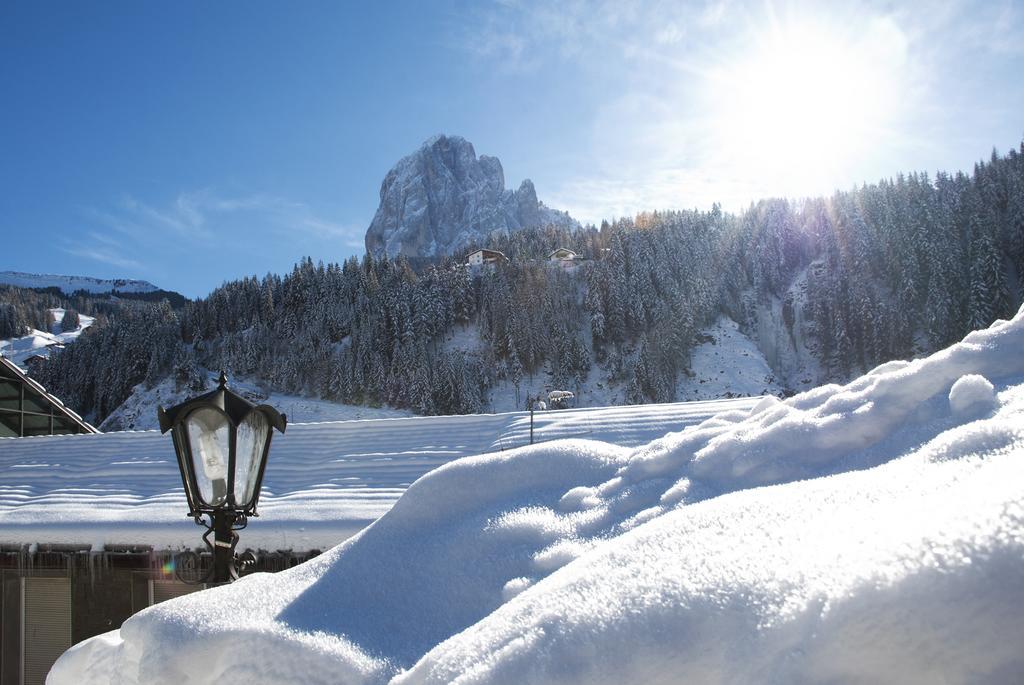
x,y
889,270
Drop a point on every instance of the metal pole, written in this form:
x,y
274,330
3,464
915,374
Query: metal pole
x,y
530,400
223,550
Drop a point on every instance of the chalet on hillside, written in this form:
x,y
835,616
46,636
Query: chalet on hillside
x,y
27,409
564,258
484,256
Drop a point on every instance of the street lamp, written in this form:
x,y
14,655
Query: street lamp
x,y
222,441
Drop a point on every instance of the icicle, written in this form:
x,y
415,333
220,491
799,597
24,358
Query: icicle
x,y
29,558
95,558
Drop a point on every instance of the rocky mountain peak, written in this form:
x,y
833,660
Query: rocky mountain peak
x,y
440,197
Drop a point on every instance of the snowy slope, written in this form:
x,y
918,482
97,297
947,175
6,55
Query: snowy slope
x,y
43,342
324,481
725,364
887,547
788,348
138,412
71,284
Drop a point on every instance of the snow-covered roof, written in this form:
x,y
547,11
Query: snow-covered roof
x,y
887,548
324,481
562,253
488,253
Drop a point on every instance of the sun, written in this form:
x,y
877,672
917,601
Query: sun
x,y
803,103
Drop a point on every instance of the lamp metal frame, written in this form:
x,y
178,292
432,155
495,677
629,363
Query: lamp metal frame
x,y
224,519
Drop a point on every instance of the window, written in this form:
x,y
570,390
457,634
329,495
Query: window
x,y
10,395
62,426
46,621
35,402
35,424
10,424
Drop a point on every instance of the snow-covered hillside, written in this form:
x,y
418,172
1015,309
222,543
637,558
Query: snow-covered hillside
x,y
725,364
887,548
786,342
138,412
71,284
42,343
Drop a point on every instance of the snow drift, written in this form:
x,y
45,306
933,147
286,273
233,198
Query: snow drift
x,y
887,546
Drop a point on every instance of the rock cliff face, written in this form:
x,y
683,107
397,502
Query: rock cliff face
x,y
438,198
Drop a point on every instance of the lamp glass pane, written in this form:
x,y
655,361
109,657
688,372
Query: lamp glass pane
x,y
208,431
252,436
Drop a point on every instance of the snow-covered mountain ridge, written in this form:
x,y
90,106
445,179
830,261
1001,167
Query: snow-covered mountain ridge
x,y
437,199
72,284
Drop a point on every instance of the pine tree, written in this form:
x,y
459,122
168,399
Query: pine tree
x,y
71,320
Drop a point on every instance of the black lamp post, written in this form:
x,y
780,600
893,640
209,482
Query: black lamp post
x,y
222,441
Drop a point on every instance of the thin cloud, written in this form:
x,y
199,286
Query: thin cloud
x,y
327,229
202,219
104,255
186,216
196,215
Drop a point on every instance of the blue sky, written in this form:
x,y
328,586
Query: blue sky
x,y
189,143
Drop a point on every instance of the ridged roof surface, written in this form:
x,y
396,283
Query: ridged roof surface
x,y
324,481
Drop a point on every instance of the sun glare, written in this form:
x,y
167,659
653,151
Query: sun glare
x,y
802,105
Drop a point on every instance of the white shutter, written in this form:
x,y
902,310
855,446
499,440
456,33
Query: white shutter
x,y
45,625
163,590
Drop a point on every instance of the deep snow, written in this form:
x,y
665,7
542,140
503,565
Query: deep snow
x,y
888,546
324,481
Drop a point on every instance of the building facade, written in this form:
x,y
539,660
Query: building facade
x,y
482,257
26,409
55,596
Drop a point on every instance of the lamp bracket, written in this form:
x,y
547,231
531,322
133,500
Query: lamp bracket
x,y
186,563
